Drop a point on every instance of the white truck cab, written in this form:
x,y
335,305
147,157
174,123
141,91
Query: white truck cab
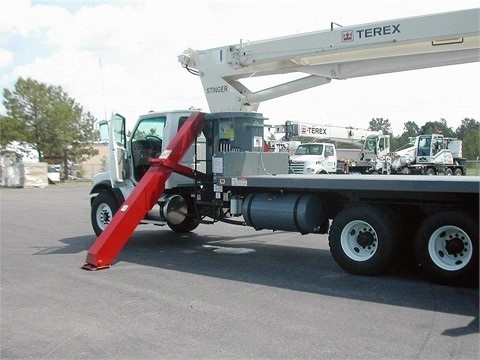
x,y
314,158
129,159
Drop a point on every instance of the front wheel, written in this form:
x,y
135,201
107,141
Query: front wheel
x,y
447,248
363,239
104,207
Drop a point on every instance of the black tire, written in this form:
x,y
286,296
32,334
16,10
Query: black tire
x,y
363,239
448,172
104,207
446,248
458,172
430,171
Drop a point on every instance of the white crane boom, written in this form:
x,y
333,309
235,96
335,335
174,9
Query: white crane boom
x,y
296,129
341,53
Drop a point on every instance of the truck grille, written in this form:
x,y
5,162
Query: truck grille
x,y
296,167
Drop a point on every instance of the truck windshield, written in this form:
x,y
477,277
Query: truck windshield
x,y
310,149
150,128
370,143
424,145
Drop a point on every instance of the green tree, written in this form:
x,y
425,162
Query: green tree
x,y
469,133
467,125
432,127
377,124
471,144
11,129
410,129
49,120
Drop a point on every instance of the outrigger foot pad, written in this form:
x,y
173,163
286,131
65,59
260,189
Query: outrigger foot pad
x,y
91,267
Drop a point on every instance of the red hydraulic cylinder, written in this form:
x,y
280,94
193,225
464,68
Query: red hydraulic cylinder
x,y
147,192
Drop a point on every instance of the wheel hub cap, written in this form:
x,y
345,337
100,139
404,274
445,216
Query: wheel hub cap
x,y
454,246
365,239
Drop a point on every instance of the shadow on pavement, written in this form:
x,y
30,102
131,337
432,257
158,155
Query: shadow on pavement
x,y
250,259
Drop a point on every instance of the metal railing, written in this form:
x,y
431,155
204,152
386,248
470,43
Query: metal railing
x,y
88,171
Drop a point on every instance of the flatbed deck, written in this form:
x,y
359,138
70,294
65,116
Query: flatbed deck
x,y
390,183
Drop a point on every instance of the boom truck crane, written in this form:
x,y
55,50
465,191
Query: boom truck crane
x,y
431,154
368,218
324,158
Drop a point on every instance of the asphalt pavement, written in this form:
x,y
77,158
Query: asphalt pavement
x,y
220,292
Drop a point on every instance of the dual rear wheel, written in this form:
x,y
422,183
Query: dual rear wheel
x,y
446,247
363,239
366,240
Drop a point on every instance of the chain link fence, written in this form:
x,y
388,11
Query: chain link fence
x,y
90,170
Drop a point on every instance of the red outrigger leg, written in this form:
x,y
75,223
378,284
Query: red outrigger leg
x,y
152,185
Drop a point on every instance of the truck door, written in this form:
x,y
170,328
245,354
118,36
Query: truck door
x,y
117,142
383,147
146,142
330,158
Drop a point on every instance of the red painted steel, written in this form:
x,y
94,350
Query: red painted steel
x,y
152,185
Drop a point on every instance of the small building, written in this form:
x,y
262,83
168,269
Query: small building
x,y
97,163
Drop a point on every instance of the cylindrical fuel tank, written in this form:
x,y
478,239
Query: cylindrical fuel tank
x,y
175,209
302,213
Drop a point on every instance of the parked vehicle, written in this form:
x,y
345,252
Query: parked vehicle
x,y
372,221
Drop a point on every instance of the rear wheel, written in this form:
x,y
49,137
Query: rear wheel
x,y
446,247
104,207
458,172
448,172
363,239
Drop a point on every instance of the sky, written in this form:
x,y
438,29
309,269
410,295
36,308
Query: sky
x,y
121,56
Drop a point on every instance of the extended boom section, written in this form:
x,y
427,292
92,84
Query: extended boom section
x,y
340,53
146,194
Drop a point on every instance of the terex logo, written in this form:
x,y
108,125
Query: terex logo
x,y
313,130
378,31
349,35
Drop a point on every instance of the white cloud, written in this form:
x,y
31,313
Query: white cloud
x,y
6,58
18,17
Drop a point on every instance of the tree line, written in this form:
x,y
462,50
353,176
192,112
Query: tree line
x,y
50,121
